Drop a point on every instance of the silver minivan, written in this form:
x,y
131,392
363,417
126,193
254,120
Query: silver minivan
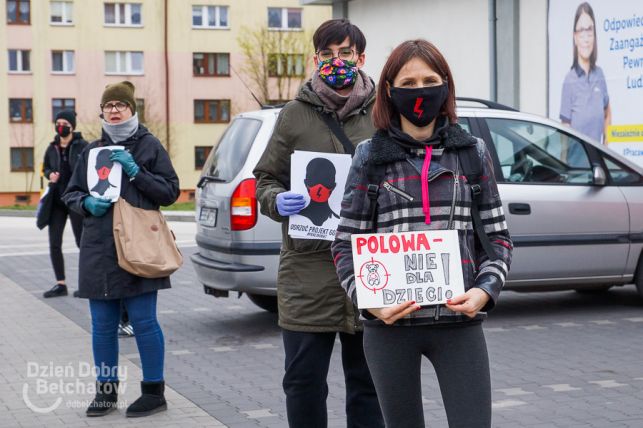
x,y
574,207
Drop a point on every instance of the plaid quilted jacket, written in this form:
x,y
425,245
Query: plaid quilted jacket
x,y
400,209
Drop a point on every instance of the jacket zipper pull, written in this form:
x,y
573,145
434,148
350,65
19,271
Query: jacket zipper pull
x,y
388,186
437,313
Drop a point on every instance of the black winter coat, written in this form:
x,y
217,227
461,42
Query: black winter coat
x,y
53,158
156,184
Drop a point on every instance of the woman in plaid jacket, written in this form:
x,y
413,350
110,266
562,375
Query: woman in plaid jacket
x,y
418,149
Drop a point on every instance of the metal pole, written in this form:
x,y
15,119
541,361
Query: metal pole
x,y
493,54
167,77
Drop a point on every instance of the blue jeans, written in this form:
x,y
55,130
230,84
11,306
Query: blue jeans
x,y
106,315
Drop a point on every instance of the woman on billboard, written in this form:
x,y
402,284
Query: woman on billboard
x,y
585,103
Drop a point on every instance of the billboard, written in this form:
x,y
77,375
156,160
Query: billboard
x,y
596,71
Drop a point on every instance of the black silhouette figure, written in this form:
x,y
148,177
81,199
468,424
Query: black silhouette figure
x,y
103,168
320,182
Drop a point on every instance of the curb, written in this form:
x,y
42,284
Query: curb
x,y
183,216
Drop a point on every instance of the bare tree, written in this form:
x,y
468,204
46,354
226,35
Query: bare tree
x,y
276,62
22,136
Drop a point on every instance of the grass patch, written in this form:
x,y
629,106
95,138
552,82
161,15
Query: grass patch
x,y
180,206
20,207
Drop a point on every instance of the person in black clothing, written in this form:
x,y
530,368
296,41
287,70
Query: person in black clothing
x,y
59,162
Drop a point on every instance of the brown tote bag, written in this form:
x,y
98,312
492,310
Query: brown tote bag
x,y
145,245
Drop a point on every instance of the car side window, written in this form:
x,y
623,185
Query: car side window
x,y
534,153
464,123
622,175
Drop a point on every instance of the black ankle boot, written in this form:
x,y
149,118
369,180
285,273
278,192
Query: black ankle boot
x,y
150,402
105,400
55,291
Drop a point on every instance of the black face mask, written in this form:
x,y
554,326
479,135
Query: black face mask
x,y
420,105
63,130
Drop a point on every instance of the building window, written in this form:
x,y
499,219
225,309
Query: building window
x,y
123,62
211,64
123,14
62,13
286,65
18,12
201,154
284,18
60,104
211,111
62,62
21,159
140,109
209,16
20,110
19,61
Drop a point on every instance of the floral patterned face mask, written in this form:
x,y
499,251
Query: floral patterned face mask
x,y
338,73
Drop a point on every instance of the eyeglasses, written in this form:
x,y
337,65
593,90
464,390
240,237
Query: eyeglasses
x,y
585,31
345,54
109,107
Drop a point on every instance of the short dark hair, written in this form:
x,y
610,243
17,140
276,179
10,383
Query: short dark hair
x,y
383,110
585,8
334,31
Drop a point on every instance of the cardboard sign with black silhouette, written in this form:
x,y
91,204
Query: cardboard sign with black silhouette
x,y
104,175
321,178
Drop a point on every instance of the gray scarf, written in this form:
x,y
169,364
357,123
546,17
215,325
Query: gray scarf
x,y
343,105
120,132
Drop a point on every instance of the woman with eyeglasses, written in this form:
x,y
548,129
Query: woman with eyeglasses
x,y
148,181
413,175
585,103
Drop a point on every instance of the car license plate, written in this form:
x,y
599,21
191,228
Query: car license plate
x,y
208,216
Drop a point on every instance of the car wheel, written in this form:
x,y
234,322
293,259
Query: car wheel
x,y
594,290
638,278
268,303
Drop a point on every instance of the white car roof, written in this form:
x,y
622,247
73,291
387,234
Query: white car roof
x,y
270,114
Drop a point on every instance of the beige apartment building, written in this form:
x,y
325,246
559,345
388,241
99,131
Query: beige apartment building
x,y
186,58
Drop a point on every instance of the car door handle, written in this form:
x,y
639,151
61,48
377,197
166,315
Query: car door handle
x,y
520,209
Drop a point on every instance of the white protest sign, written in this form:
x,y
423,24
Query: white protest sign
x,y
392,268
104,175
321,178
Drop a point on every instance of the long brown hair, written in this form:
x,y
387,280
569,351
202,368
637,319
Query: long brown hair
x,y
384,111
586,8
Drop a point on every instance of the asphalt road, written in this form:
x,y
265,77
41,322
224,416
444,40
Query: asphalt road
x,y
558,359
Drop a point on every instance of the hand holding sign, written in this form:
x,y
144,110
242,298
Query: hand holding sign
x,y
289,203
391,314
469,303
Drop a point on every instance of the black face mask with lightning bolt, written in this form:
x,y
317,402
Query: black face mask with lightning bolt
x,y
420,105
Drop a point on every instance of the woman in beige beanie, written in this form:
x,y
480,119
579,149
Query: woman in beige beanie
x,y
148,181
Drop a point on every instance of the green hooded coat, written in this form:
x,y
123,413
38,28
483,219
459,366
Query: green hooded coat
x,y
309,294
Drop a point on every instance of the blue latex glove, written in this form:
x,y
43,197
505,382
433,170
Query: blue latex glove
x,y
96,207
290,203
127,160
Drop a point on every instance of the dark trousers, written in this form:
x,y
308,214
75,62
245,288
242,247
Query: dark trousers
x,y
57,221
307,362
458,353
149,337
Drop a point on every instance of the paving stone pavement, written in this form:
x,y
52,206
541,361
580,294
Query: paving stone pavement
x,y
46,377
557,359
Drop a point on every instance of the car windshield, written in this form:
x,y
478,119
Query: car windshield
x,y
227,158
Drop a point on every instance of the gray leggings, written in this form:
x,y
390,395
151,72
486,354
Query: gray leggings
x,y
458,353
